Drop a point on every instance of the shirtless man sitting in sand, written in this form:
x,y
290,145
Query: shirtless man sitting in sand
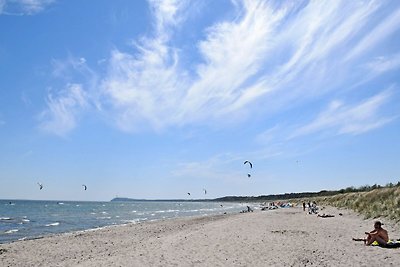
x,y
378,234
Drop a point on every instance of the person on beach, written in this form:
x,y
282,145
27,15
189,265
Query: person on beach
x,y
379,235
304,206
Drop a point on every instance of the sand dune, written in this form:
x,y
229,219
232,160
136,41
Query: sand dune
x,y
284,237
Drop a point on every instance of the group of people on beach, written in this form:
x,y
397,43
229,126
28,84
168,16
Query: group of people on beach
x,y
378,236
312,207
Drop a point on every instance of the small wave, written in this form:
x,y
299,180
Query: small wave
x,y
78,205
60,203
26,220
131,221
107,217
134,211
53,224
93,213
11,231
164,211
104,212
188,210
5,219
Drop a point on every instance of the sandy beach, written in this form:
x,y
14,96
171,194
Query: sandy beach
x,y
283,237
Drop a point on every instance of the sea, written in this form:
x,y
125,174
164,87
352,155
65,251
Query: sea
x,y
30,219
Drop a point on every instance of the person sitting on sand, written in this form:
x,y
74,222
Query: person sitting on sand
x,y
325,215
379,235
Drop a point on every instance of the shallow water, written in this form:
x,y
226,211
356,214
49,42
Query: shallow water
x,y
26,219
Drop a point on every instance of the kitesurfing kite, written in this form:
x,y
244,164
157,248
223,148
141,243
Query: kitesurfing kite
x,y
40,186
84,186
251,167
251,164
188,193
205,192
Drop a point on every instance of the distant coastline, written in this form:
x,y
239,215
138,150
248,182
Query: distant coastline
x,y
274,197
126,199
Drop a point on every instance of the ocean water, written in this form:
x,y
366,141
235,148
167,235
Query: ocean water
x,y
27,219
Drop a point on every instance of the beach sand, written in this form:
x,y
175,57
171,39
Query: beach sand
x,y
283,237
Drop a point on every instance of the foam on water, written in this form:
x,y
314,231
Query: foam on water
x,y
11,231
35,219
53,224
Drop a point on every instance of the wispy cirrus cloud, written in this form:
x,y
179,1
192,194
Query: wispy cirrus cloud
x,y
233,52
153,87
23,7
340,118
382,64
386,27
64,106
238,63
263,59
215,167
145,87
63,110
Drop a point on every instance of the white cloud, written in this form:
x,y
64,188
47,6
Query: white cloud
x,y
23,7
269,135
63,110
349,119
215,166
383,64
145,87
151,86
233,52
309,43
388,25
263,59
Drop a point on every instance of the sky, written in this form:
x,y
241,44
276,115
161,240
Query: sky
x,y
155,99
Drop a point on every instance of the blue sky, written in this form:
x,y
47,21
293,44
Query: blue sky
x,y
154,99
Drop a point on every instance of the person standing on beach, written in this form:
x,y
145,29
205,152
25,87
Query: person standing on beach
x,y
379,235
304,206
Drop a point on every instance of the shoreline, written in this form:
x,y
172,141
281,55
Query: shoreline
x,y
61,234
282,237
22,222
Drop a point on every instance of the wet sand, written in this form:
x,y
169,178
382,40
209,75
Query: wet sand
x,y
283,237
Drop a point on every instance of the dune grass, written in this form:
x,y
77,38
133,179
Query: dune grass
x,y
382,202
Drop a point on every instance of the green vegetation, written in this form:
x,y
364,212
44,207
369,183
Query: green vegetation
x,y
371,201
290,196
380,202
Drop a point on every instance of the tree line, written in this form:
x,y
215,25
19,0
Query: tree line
x,y
322,193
